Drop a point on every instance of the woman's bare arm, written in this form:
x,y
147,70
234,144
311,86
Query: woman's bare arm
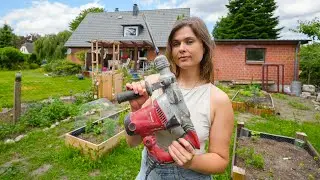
x,y
217,158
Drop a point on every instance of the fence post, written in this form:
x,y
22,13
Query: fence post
x,y
17,97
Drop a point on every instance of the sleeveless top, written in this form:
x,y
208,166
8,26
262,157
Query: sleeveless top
x,y
197,100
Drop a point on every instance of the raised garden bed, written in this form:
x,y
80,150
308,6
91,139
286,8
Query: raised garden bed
x,y
258,155
98,137
257,103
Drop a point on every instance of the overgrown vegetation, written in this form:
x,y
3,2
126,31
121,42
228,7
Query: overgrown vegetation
x,y
250,157
62,67
40,115
12,59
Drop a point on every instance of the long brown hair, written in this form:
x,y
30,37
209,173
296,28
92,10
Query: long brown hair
x,y
201,31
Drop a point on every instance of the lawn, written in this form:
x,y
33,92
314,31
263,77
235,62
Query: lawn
x,y
37,86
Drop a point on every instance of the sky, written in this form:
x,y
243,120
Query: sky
x,y
52,16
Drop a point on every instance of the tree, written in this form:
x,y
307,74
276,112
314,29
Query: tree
x,y
309,28
310,64
180,17
7,37
310,54
248,19
75,23
52,46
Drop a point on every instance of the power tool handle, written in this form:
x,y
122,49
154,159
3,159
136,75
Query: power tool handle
x,y
127,96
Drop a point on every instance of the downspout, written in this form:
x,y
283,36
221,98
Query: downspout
x,y
296,84
296,63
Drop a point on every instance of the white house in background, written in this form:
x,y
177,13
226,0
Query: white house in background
x,y
27,48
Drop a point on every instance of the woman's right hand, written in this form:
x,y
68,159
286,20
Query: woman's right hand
x,y
138,88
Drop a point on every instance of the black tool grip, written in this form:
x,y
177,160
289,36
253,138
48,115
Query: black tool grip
x,y
127,96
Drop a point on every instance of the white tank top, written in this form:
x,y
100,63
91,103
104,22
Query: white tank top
x,y
198,103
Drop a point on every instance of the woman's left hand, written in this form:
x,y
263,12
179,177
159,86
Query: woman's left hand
x,y
182,152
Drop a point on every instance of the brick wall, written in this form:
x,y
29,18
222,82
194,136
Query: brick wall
x,y
230,64
72,56
151,54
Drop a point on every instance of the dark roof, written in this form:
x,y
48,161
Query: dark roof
x,y
109,26
29,47
261,41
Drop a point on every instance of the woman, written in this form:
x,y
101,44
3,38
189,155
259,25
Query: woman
x,y
190,51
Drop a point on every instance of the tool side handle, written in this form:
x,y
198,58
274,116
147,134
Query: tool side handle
x,y
127,96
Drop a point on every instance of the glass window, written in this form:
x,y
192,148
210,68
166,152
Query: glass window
x,y
130,31
255,55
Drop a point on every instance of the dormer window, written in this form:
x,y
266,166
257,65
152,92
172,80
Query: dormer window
x,y
130,31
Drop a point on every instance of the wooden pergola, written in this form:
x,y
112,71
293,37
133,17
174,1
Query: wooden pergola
x,y
98,47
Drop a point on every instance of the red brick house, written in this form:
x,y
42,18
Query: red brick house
x,y
241,60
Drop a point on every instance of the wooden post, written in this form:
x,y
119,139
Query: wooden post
x,y
302,136
17,98
238,173
301,139
135,58
117,79
101,56
240,125
105,86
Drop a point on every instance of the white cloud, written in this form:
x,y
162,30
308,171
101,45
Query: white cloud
x,y
51,17
147,2
167,5
44,17
289,12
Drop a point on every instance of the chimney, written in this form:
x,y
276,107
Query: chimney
x,y
116,10
135,10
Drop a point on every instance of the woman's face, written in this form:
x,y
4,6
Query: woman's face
x,y
187,49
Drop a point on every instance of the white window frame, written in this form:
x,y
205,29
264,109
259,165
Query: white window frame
x,y
129,27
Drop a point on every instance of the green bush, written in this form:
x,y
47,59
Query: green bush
x,y
10,58
33,59
39,115
62,67
81,55
34,66
44,114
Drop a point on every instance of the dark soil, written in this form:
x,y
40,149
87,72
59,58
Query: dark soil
x,y
281,160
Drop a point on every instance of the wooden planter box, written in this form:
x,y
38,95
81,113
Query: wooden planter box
x,y
241,106
95,151
239,173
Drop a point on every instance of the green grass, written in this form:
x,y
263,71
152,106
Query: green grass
x,y
40,148
298,105
37,86
275,125
280,96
